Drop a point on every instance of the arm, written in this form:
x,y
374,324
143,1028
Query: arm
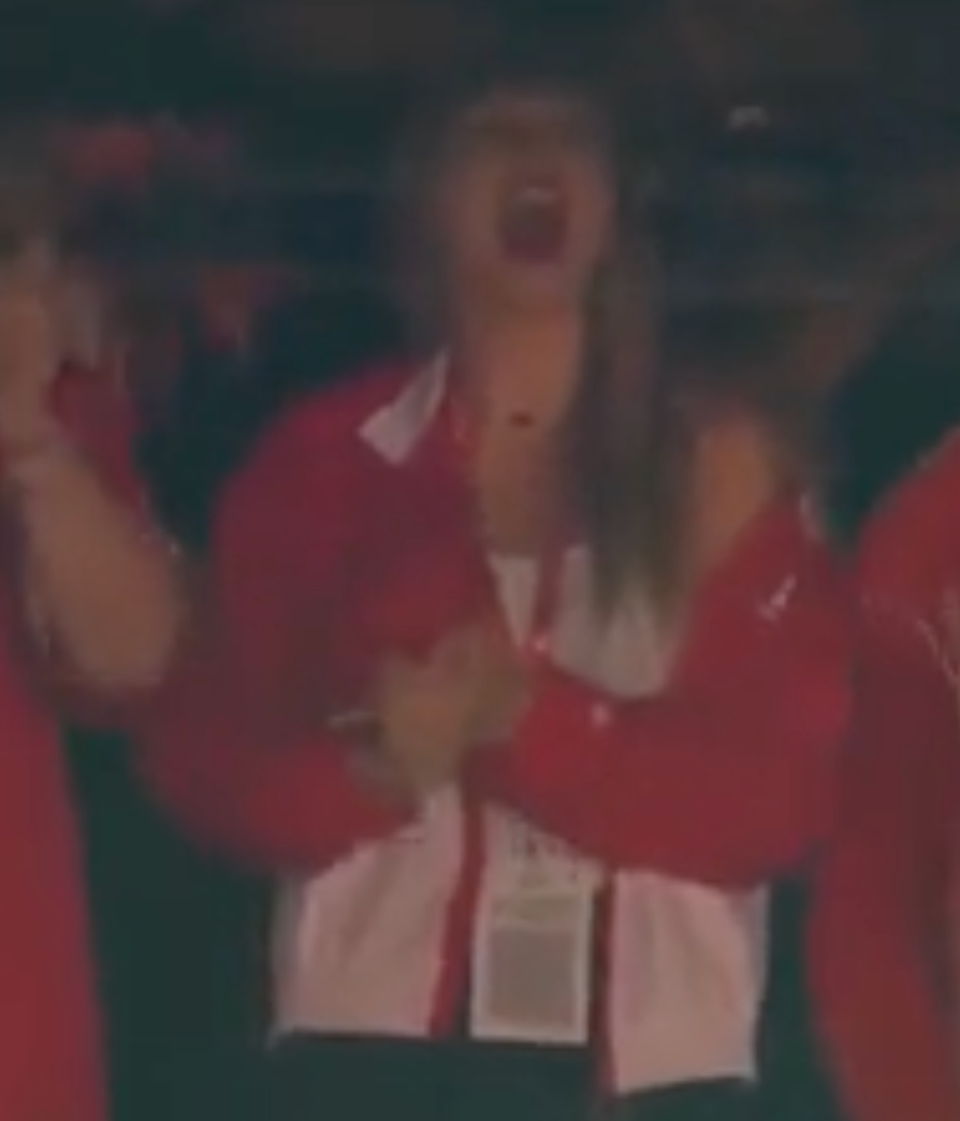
x,y
102,590
727,777
878,901
275,800
235,747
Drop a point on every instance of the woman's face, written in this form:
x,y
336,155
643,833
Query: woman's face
x,y
525,199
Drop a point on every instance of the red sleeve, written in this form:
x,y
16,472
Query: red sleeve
x,y
908,555
729,776
275,802
231,748
877,924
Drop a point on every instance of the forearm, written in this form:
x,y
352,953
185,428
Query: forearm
x,y
663,785
103,589
253,789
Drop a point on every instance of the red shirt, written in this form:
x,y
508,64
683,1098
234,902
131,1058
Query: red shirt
x,y
878,955
50,1055
732,793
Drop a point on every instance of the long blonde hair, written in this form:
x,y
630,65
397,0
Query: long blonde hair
x,y
608,427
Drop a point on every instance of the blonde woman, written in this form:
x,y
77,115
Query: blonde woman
x,y
527,675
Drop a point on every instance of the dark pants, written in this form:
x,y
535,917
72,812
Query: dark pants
x,y
374,1080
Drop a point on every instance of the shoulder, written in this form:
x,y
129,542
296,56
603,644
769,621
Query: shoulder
x,y
779,615
909,550
310,464
779,588
339,412
785,543
739,472
324,429
926,493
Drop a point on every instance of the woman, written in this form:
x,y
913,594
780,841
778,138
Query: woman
x,y
90,612
882,942
525,812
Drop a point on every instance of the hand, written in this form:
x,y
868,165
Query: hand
x,y
424,711
432,713
30,342
499,684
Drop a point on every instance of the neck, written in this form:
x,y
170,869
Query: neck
x,y
509,366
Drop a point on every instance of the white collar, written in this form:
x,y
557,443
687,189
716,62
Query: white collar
x,y
395,429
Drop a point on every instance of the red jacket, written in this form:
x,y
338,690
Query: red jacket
x,y
238,749
878,950
331,553
50,1060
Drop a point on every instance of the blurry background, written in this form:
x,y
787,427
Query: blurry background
x,y
307,90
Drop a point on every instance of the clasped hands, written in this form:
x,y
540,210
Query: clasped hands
x,y
430,714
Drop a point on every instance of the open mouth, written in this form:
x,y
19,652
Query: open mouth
x,y
533,223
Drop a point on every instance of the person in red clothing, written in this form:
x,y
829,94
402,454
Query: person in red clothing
x,y
527,673
882,942
89,610
878,954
